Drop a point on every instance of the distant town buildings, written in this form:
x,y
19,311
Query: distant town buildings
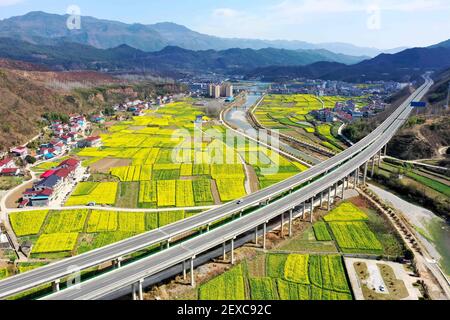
x,y
220,90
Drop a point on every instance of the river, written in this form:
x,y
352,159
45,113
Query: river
x,y
238,118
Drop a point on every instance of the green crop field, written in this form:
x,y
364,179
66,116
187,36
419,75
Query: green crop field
x,y
296,269
67,221
433,184
202,192
262,289
355,237
27,223
3,273
285,277
349,226
321,231
229,286
102,221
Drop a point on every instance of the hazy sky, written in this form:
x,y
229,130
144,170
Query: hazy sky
x,y
377,23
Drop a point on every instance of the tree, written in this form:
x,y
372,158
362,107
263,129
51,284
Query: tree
x,y
29,159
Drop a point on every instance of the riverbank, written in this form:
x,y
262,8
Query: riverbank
x,y
433,231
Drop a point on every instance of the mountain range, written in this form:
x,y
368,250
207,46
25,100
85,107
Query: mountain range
x,y
45,28
163,49
403,67
63,55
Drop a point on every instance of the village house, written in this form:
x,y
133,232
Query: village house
x,y
20,152
50,184
10,172
7,163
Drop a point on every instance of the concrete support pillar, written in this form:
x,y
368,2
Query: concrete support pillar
x,y
291,212
303,210
347,179
168,244
373,167
282,225
55,285
184,271
321,199
241,213
133,292
312,210
232,251
357,176
264,236
355,180
329,199
141,289
224,251
385,150
208,227
379,159
343,189
256,236
366,168
335,190
192,273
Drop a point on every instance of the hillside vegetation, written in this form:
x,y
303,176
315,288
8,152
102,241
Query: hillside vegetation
x,y
26,96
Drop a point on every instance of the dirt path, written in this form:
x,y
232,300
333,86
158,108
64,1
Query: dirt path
x,y
12,199
253,179
215,193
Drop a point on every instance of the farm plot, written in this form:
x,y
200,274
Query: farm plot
x,y
262,289
202,192
85,188
166,193
184,194
56,242
346,212
67,221
169,217
286,277
229,286
355,237
102,221
148,193
127,195
103,193
292,291
27,223
296,269
131,222
230,189
321,231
